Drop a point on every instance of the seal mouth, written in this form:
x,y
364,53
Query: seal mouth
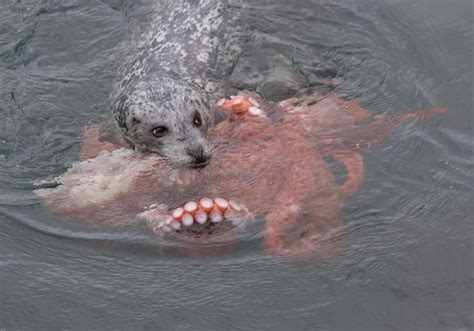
x,y
199,165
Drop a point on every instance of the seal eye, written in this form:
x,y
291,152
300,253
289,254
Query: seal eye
x,y
159,131
197,121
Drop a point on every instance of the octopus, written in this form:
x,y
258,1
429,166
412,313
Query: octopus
x,y
269,161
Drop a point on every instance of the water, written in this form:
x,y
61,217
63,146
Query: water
x,y
406,259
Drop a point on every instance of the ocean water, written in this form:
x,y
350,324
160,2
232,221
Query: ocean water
x,y
406,257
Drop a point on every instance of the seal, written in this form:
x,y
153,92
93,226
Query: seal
x,y
164,87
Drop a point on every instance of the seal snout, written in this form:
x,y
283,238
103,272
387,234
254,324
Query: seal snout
x,y
199,158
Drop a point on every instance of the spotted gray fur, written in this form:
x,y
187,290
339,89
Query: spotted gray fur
x,y
172,72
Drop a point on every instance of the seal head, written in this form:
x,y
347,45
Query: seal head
x,y
173,65
163,113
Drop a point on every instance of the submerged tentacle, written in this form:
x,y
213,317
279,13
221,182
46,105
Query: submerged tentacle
x,y
353,163
365,136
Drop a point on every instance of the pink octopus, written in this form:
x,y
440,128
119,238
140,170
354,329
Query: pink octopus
x,y
268,158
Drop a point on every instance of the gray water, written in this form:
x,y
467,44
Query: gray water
x,y
406,260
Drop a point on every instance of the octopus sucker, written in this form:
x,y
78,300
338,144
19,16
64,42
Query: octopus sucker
x,y
197,215
241,105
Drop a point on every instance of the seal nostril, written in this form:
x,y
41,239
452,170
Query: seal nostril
x,y
199,158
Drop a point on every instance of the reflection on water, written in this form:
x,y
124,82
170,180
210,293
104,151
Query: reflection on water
x,y
405,256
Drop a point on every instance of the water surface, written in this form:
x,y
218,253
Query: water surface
x,y
406,260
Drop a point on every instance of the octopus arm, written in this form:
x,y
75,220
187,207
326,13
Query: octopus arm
x,y
308,208
92,144
346,147
366,136
353,163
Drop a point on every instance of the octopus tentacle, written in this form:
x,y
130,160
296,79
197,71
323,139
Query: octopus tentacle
x,y
243,105
91,144
353,163
366,136
298,227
